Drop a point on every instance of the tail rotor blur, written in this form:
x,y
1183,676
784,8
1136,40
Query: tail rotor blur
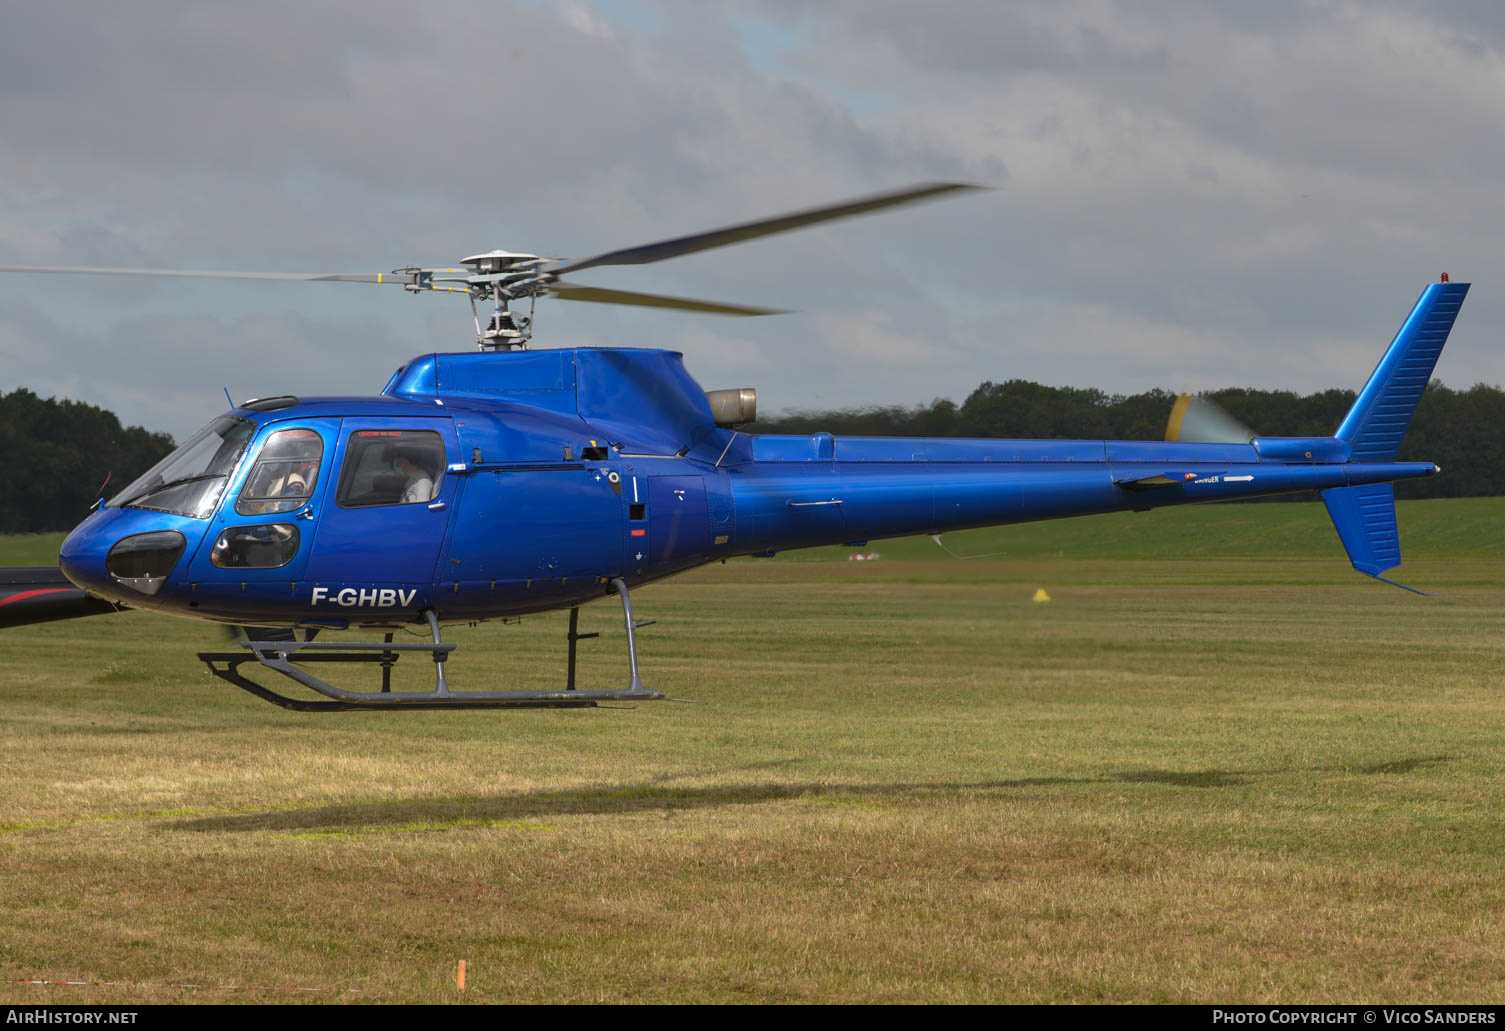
x,y
1195,419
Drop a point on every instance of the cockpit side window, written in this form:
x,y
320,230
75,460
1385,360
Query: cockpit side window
x,y
391,467
285,474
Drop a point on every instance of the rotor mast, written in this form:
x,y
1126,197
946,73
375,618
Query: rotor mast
x,y
503,277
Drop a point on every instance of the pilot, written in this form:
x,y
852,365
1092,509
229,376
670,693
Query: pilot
x,y
296,484
419,487
292,485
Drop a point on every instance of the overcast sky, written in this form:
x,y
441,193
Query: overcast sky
x,y
1186,196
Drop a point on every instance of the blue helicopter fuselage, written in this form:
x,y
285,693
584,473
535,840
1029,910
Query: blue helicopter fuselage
x,y
483,485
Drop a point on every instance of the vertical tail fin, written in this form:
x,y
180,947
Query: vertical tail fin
x,y
1365,520
1364,516
1378,420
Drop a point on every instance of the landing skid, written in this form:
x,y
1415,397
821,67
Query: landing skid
x,y
288,658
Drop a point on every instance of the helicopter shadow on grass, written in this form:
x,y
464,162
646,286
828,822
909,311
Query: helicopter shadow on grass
x,y
661,798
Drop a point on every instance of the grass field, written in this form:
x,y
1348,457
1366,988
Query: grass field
x,y
1217,766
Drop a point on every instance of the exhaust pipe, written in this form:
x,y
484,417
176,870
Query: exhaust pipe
x,y
732,408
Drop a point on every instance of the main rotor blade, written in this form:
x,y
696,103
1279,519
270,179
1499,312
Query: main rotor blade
x,y
646,253
600,296
378,277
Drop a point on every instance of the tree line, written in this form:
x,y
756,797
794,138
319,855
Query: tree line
x,y
54,455
1463,431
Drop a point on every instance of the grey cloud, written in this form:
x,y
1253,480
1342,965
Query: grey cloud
x,y
1258,189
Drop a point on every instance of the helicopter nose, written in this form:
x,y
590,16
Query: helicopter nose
x,y
81,560
104,557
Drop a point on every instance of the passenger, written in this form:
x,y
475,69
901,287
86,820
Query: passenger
x,y
419,487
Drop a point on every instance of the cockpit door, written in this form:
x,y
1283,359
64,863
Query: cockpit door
x,y
385,517
264,527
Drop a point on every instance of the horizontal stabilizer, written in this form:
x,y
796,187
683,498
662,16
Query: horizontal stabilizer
x,y
1365,520
1163,479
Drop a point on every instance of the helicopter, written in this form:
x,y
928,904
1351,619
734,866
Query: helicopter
x,y
507,481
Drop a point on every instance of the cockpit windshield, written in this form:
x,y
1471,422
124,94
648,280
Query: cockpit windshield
x,y
190,480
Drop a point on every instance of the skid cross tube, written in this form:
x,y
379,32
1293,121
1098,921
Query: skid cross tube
x,y
289,657
634,682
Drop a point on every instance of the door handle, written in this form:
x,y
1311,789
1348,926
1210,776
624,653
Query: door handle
x,y
436,506
307,513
